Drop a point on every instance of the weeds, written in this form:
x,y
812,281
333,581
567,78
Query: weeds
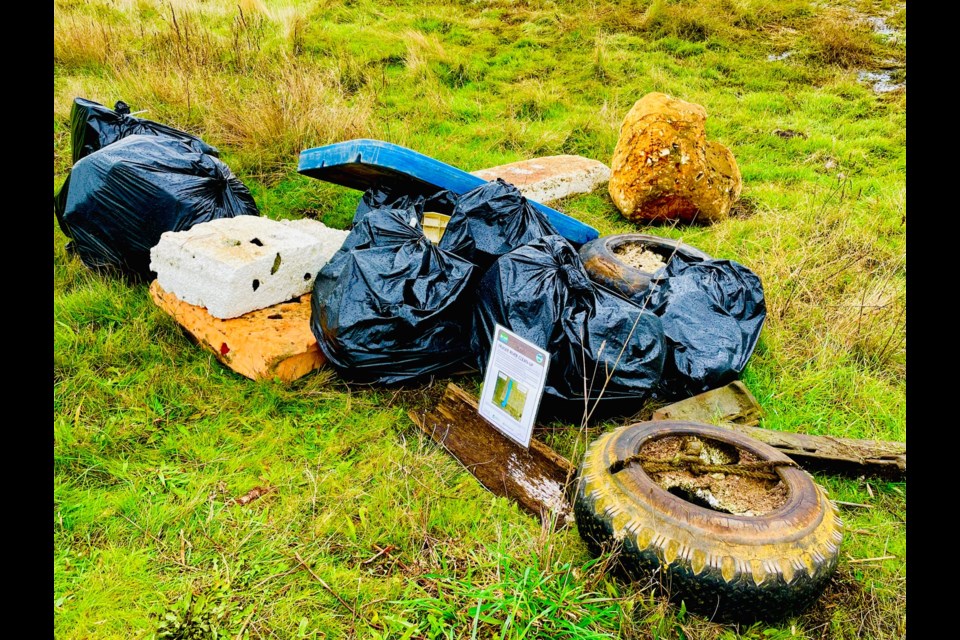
x,y
199,618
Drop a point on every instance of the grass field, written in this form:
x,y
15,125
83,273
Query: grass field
x,y
362,527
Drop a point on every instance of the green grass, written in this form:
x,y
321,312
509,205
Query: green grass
x,y
367,528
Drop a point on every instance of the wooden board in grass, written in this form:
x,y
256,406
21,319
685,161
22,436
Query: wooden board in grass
x,y
536,478
734,407
275,342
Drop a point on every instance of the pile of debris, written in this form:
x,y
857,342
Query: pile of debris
x,y
434,260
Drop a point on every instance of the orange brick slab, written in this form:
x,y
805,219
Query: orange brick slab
x,y
275,342
551,177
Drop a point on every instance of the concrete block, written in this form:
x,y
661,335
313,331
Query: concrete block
x,y
232,266
551,177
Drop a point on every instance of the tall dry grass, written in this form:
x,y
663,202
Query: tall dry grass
x,y
242,86
842,38
84,41
282,113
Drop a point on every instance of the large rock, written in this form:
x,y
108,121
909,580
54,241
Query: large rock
x,y
664,168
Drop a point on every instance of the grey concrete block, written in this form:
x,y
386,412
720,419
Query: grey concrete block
x,y
232,266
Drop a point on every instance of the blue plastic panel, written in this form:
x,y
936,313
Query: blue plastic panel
x,y
362,163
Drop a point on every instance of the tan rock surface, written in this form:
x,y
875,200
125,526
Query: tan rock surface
x,y
663,167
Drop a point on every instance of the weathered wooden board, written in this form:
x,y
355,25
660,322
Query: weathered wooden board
x,y
275,342
734,407
847,456
536,478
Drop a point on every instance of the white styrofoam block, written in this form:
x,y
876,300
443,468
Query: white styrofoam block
x,y
232,266
331,239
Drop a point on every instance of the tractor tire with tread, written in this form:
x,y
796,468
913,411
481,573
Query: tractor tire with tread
x,y
728,567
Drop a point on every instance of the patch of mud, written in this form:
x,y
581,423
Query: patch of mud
x,y
724,492
789,133
743,208
639,257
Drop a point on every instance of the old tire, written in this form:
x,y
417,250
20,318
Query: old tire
x,y
738,568
603,264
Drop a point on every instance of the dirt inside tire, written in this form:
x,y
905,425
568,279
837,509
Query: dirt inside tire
x,y
640,256
745,495
626,262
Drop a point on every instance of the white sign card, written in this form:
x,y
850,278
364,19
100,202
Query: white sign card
x,y
513,385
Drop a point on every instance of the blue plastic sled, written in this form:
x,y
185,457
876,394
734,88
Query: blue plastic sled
x,y
361,164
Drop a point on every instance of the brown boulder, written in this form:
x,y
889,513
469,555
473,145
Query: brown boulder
x,y
664,168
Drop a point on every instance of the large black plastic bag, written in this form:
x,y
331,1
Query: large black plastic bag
x,y
94,126
712,313
606,354
390,197
391,307
124,196
491,220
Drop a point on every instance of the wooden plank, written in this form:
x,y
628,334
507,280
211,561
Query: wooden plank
x,y
537,478
363,163
734,407
275,342
847,456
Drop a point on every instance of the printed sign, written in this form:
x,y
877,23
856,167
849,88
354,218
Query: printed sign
x,y
513,385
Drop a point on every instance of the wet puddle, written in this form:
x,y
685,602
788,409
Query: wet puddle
x,y
881,28
881,81
885,80
891,76
774,57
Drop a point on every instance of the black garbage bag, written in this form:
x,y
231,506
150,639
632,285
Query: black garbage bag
x,y
387,196
491,220
124,196
712,313
94,126
391,307
606,353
